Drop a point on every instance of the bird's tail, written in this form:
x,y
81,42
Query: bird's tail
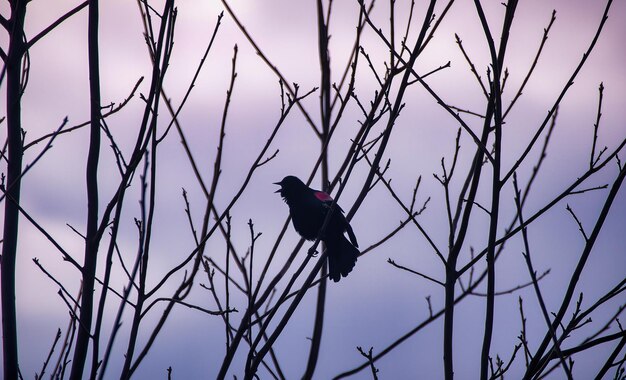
x,y
342,256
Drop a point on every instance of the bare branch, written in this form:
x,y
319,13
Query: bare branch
x,y
390,261
55,24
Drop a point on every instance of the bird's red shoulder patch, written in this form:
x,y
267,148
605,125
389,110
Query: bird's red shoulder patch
x,y
322,196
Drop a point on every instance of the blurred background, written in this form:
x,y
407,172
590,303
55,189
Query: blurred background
x,y
377,303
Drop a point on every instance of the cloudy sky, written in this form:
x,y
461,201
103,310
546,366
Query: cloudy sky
x,y
377,303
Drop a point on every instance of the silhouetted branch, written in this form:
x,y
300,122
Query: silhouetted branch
x,y
580,226
45,363
546,31
195,77
186,304
292,90
592,158
66,256
535,281
368,356
13,60
513,289
56,23
63,360
411,214
29,166
569,83
539,360
113,109
415,272
611,359
459,42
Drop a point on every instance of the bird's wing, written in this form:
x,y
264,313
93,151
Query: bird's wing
x,y
326,199
322,196
351,234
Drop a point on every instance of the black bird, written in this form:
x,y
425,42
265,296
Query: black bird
x,y
308,209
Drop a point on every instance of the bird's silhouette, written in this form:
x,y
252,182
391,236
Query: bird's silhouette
x,y
308,209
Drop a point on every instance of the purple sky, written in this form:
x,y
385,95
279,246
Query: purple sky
x,y
377,303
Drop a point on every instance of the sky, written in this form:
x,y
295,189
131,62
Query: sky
x,y
377,303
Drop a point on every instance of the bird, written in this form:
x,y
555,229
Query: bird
x,y
308,209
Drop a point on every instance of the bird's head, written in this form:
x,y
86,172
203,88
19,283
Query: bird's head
x,y
290,187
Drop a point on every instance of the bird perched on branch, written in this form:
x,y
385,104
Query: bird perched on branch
x,y
308,209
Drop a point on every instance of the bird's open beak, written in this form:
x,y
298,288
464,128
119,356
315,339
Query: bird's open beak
x,y
279,184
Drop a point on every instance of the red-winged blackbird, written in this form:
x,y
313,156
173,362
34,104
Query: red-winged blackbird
x,y
308,209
